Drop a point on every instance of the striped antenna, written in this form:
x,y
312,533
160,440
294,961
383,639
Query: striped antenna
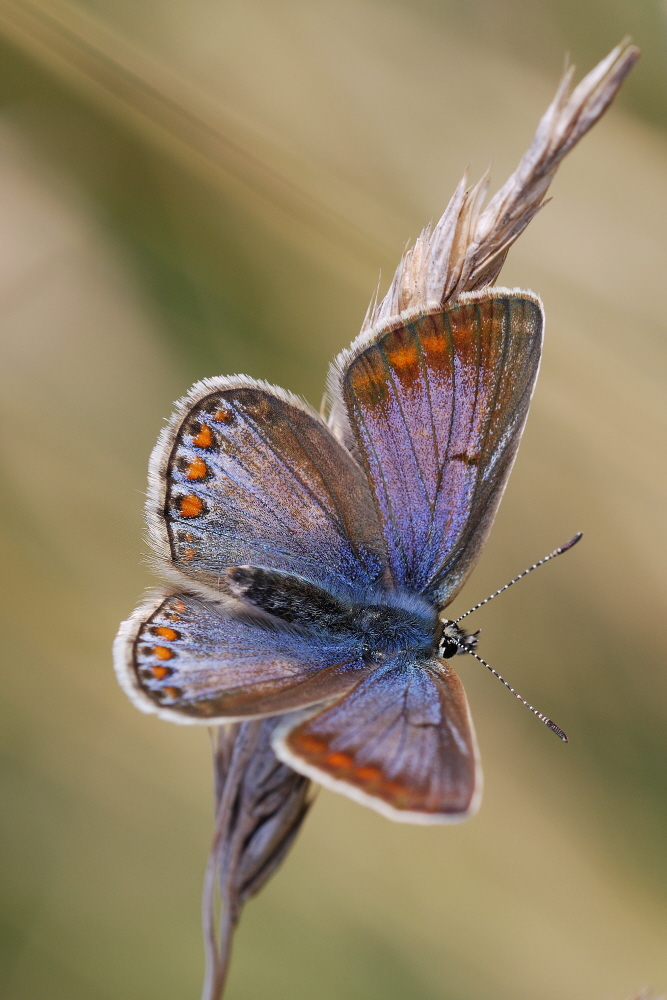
x,y
552,555
543,718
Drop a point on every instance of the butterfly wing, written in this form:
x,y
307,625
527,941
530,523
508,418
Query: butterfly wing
x,y
401,742
244,474
435,408
196,661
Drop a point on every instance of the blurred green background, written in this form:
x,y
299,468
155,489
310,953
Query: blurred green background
x,y
200,188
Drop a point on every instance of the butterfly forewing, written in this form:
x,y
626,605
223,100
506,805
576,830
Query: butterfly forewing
x,y
192,660
401,742
246,475
436,407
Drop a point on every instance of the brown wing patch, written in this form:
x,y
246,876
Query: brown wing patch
x,y
401,741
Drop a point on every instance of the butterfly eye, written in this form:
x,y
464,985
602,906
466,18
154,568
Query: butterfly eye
x,y
454,641
448,648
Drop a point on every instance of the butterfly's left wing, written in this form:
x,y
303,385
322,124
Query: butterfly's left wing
x,y
245,474
193,660
402,742
434,407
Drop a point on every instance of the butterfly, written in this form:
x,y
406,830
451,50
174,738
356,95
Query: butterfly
x,y
311,561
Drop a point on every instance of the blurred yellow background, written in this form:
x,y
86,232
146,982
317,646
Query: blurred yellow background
x,y
203,188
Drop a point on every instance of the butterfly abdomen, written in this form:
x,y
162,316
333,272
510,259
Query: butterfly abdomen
x,y
378,625
287,597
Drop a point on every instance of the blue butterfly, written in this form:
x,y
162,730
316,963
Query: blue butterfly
x,y
312,561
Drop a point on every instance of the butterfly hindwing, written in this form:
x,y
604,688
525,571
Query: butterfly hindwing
x,y
435,408
401,742
245,474
192,660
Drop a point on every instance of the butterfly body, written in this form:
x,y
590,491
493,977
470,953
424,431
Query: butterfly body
x,y
379,622
312,561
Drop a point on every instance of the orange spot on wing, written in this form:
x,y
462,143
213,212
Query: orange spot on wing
x,y
366,774
179,607
310,744
204,437
187,555
223,415
172,692
167,633
404,355
191,506
338,760
432,340
162,653
160,672
399,796
196,469
367,379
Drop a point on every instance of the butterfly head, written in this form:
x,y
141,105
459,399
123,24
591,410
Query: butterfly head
x,y
455,640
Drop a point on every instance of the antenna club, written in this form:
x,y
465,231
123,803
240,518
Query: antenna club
x,y
557,730
573,541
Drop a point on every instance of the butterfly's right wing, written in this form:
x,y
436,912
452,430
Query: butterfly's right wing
x,y
196,661
434,407
246,475
401,742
